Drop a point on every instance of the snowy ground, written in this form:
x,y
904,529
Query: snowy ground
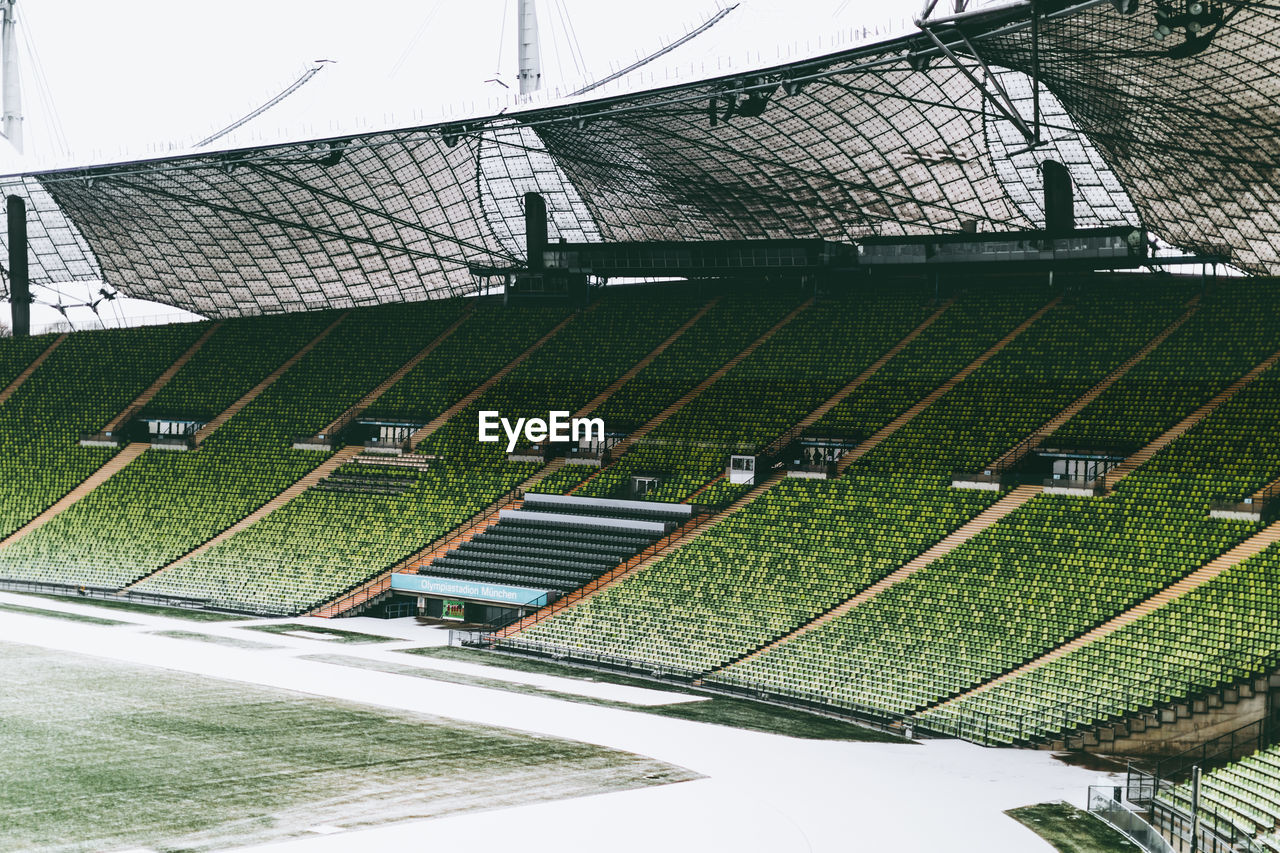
x,y
762,791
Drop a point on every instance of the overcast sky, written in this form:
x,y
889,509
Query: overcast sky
x,y
135,78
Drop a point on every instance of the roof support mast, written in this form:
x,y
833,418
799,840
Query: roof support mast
x,y
530,59
11,98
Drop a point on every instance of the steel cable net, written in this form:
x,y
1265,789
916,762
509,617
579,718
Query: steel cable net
x,y
884,151
382,218
1195,141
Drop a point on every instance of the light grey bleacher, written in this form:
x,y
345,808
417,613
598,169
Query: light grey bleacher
x,y
559,542
607,506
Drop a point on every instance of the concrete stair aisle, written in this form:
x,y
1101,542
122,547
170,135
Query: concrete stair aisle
x,y
1017,454
22,377
400,373
686,533
980,522
1250,547
464,532
113,466
933,396
444,417
839,397
161,381
1131,464
306,481
252,394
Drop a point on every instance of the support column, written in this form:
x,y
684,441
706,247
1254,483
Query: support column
x,y
19,280
535,229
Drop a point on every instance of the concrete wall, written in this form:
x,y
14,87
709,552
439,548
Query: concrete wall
x,y
1189,724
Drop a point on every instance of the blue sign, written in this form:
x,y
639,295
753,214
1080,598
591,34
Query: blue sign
x,y
473,590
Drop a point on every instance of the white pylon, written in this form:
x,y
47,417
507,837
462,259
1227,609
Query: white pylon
x,y
11,98
530,58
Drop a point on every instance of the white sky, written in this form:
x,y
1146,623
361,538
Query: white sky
x,y
135,74
136,78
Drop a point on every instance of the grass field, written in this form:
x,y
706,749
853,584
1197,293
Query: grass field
x,y
1072,831
101,755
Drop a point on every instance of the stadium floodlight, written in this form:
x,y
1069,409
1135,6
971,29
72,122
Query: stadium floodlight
x,y
792,87
1197,19
754,104
919,61
452,134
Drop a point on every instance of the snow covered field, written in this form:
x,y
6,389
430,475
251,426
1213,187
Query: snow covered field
x,y
757,792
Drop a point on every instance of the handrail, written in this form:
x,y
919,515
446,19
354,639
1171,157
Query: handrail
x,y
1175,821
368,589
803,700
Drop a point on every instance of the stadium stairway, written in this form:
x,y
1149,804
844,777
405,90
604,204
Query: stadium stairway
x,y
1020,452
925,402
252,394
1266,491
357,409
779,443
1133,462
444,417
162,380
559,542
311,478
31,368
985,519
1250,547
113,466
686,533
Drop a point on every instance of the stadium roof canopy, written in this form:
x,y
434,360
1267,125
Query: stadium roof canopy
x,y
918,134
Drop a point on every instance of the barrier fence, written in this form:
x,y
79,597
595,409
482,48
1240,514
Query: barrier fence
x,y
67,590
1209,831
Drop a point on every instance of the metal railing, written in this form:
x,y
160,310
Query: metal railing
x,y
1209,831
1107,807
154,599
1218,751
355,597
800,700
